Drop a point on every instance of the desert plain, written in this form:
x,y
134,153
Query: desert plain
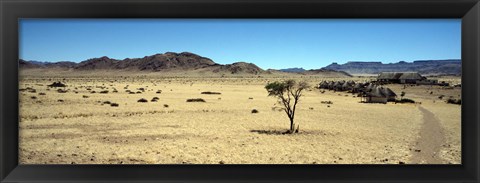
x,y
78,126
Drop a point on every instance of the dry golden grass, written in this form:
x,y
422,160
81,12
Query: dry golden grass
x,y
221,130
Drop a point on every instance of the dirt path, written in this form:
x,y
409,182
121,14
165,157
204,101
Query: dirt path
x,y
427,147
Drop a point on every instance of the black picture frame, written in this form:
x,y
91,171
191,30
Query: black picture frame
x,y
11,11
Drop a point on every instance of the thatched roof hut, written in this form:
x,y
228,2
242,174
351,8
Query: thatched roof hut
x,y
358,87
331,84
400,77
370,87
348,85
337,86
323,85
379,94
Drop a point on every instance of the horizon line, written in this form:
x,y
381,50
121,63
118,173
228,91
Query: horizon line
x,y
332,62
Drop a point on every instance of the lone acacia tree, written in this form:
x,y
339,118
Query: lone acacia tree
x,y
288,93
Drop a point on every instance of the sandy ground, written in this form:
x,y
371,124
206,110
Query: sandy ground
x,y
223,130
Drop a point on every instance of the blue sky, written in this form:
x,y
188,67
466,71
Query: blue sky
x,y
274,43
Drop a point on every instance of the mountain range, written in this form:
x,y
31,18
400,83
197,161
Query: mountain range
x,y
294,70
165,62
186,61
426,67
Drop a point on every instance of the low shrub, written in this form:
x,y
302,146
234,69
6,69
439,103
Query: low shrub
x,y
41,94
104,91
107,102
196,100
85,96
405,100
211,93
254,111
165,105
326,102
142,100
114,105
454,101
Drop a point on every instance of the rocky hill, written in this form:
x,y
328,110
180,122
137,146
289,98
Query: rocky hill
x,y
168,61
322,71
426,67
239,67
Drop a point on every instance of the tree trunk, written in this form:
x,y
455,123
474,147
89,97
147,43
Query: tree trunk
x,y
292,126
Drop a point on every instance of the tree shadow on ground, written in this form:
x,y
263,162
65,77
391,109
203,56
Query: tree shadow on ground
x,y
301,132
270,132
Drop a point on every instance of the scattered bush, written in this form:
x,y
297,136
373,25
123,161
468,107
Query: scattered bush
x,y
139,92
142,100
195,100
251,98
454,101
85,96
114,105
107,102
131,92
326,102
33,97
254,111
60,100
159,91
104,91
61,91
405,100
211,93
165,105
93,92
56,84
441,96
41,94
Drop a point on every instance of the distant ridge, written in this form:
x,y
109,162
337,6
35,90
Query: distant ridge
x,y
294,70
426,67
